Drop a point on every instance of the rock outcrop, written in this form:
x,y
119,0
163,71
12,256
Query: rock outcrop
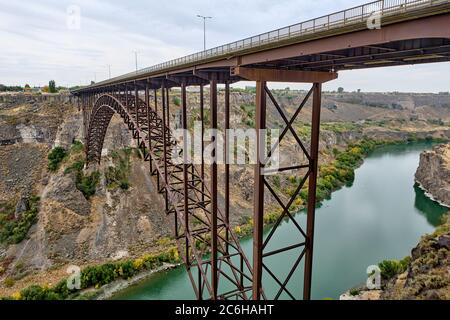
x,y
428,273
433,173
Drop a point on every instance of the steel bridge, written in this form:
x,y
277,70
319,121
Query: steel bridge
x,y
411,32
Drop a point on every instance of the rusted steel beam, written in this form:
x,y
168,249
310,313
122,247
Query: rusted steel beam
x,y
136,109
277,75
214,238
149,123
185,169
220,76
168,109
126,96
258,190
314,153
227,160
165,142
202,119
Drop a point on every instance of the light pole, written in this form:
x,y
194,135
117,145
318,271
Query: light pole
x,y
204,29
109,70
135,59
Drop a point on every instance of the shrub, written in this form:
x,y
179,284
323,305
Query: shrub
x,y
176,101
36,292
13,230
118,175
77,146
9,282
55,157
390,268
87,184
354,291
75,167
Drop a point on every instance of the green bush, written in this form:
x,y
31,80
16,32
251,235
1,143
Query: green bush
x,y
390,268
77,146
14,230
118,175
36,292
87,184
354,291
55,157
176,101
76,167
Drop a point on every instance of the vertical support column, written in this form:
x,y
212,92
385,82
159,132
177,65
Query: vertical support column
x,y
202,119
202,174
156,101
258,206
185,172
156,111
168,108
214,244
227,163
164,127
136,110
126,96
314,153
149,124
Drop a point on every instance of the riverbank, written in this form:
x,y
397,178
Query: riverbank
x,y
103,279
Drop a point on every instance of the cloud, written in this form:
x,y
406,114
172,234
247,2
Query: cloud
x,y
37,45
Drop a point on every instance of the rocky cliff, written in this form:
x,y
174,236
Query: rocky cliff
x,y
433,173
427,274
112,224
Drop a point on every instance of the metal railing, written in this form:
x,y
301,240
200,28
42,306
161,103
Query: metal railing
x,y
328,22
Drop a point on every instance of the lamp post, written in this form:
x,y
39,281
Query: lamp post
x,y
109,70
136,59
204,29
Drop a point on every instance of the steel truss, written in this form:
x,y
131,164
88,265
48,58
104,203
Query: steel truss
x,y
216,264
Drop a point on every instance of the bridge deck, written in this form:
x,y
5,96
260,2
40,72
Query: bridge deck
x,y
260,50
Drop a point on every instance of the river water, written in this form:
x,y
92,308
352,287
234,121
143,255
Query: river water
x,y
381,216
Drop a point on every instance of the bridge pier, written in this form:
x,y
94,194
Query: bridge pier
x,y
305,239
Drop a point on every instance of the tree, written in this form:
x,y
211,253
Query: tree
x,y
45,89
52,86
340,90
27,86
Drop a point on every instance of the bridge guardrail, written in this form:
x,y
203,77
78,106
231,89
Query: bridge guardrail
x,y
327,22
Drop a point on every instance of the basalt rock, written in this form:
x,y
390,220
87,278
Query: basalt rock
x,y
433,173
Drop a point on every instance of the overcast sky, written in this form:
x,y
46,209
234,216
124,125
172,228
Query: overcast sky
x,y
41,41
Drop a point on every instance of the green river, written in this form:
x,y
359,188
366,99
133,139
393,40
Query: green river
x,y
381,216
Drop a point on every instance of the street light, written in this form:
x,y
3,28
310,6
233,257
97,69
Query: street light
x,y
204,29
135,59
109,69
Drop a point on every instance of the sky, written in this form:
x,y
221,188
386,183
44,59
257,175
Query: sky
x,y
78,41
